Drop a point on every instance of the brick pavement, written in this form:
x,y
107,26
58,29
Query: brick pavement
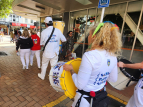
x,y
23,88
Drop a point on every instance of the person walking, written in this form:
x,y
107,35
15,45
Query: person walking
x,y
35,49
25,43
68,46
98,65
51,51
137,98
12,36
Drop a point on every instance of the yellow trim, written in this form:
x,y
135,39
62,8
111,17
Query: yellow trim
x,y
117,99
53,103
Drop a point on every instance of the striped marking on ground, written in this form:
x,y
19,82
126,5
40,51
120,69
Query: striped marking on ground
x,y
53,103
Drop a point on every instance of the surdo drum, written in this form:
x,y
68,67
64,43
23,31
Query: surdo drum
x,y
126,76
61,80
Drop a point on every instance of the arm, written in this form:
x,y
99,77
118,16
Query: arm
x,y
132,66
42,40
62,37
31,43
81,79
18,44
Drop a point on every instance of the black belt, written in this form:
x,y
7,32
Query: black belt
x,y
86,93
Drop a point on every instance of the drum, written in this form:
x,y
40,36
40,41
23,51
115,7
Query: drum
x,y
59,25
61,80
126,76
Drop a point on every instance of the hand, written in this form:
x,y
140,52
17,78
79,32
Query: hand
x,y
120,64
67,67
16,51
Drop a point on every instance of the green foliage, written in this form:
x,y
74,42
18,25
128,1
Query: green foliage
x,y
5,8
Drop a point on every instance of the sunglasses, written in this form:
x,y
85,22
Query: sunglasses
x,y
102,24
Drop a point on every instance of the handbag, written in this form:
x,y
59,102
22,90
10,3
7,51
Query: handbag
x,y
48,39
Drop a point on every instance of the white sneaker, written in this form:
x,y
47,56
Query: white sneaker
x,y
31,64
39,75
24,67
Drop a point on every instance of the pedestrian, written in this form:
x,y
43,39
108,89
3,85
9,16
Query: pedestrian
x,y
35,49
25,43
68,46
98,65
51,51
137,98
17,37
12,36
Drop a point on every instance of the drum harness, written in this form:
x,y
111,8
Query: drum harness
x,y
82,92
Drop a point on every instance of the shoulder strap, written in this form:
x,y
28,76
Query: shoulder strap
x,y
49,38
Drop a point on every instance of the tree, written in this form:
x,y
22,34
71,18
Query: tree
x,y
5,8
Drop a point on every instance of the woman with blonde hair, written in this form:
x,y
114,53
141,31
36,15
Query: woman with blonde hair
x,y
35,49
25,43
99,64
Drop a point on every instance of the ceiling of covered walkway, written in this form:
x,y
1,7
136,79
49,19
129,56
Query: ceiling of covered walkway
x,y
34,9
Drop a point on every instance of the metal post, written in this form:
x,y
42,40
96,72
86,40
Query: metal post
x,y
96,16
69,22
136,32
102,14
85,33
124,19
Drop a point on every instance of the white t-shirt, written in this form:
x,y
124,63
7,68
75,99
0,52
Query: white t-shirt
x,y
96,68
137,99
52,48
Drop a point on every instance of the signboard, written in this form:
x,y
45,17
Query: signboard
x,y
103,3
19,24
4,23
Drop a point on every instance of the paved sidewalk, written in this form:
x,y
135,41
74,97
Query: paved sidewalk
x,y
23,88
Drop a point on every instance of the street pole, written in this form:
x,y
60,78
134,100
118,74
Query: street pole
x,y
102,14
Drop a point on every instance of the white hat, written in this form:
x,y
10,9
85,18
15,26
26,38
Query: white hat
x,y
48,20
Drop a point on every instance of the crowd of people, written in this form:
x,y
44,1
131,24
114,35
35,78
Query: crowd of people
x,y
99,62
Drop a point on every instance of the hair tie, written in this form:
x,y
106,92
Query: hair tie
x,y
113,28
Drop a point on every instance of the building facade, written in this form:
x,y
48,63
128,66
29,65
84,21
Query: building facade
x,y
13,22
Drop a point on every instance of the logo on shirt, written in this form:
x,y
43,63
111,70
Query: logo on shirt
x,y
53,39
35,41
108,62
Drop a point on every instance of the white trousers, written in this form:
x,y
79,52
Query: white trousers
x,y
45,62
37,54
83,103
25,53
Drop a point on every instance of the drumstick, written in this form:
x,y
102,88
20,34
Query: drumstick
x,y
92,94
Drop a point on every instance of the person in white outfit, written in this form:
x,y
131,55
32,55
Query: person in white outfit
x,y
137,98
35,49
99,64
51,51
25,43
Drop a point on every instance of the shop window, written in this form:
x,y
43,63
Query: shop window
x,y
78,25
26,20
14,18
31,21
10,17
17,18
